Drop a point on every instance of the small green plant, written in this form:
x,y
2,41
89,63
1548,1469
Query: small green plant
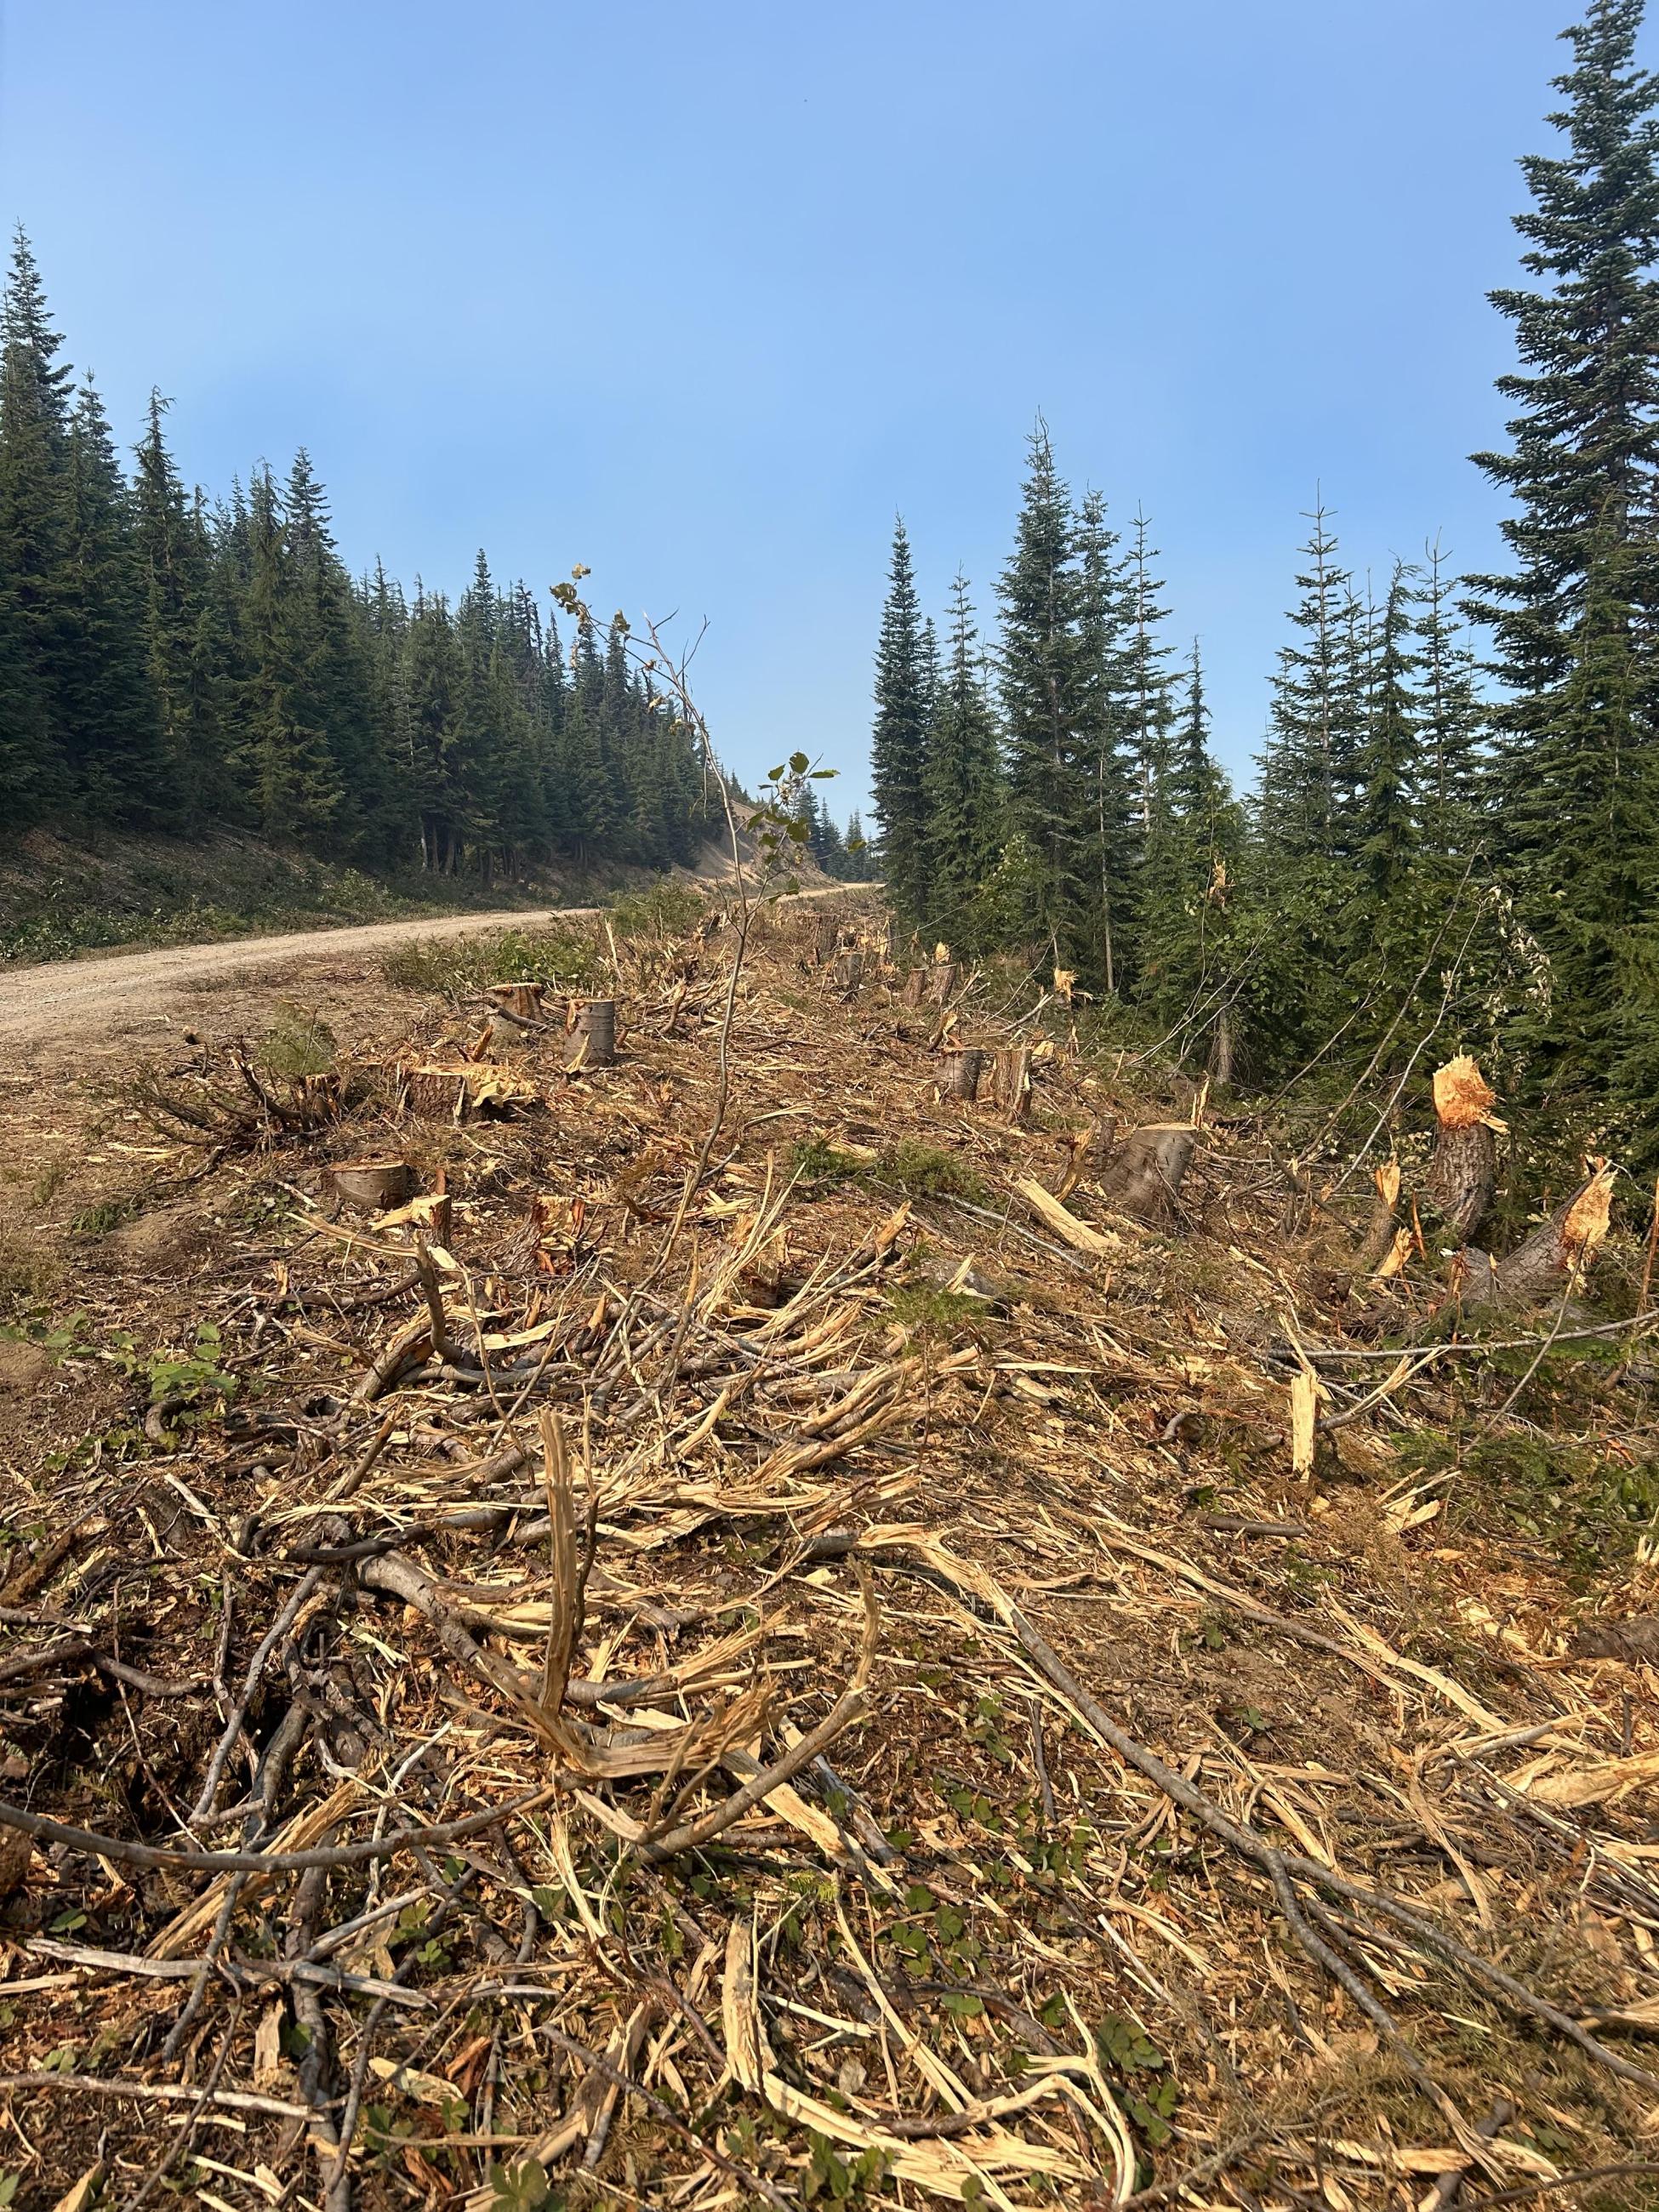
x,y
833,2179
925,1171
818,1164
1151,2101
936,1312
184,1379
298,1043
106,1213
521,2188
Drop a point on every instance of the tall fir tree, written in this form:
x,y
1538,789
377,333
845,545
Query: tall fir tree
x,y
1043,710
35,589
1312,724
960,783
1452,726
1576,620
1109,652
905,677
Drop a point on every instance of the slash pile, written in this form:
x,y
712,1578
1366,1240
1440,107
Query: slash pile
x,y
759,1643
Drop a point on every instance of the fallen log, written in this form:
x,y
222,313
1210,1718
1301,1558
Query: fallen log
x,y
1552,1260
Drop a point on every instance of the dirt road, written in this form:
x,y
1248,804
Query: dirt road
x,y
115,995
88,998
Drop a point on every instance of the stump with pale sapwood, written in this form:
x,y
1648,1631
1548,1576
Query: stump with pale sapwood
x,y
960,1071
372,1186
1380,1231
1143,1175
590,1033
1011,1081
523,1000
942,983
1463,1172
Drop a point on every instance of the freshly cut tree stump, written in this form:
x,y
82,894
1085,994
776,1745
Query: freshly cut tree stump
x,y
962,1067
827,942
590,1033
942,981
1464,1169
1143,1175
522,999
374,1185
915,988
848,970
435,1094
1011,1081
1553,1257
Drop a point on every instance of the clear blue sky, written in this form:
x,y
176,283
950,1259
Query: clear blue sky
x,y
701,293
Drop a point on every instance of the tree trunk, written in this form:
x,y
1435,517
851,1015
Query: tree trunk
x,y
435,1094
1552,1258
1143,1175
1378,1242
1221,1048
943,980
1011,1081
590,1033
374,1185
915,988
524,1000
1464,1170
962,1072
848,970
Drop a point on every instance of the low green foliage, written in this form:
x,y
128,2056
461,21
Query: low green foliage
x,y
1589,1507
298,1043
925,1171
103,1215
668,909
186,1378
935,1312
450,968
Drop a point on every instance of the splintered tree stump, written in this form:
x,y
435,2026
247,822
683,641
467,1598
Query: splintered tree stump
x,y
522,999
1011,1081
914,988
1463,1172
942,983
504,1033
1142,1175
962,1066
372,1186
1550,1259
590,1033
435,1094
848,971
1378,1241
827,941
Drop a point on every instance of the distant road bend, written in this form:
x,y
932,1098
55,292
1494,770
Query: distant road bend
x,y
66,998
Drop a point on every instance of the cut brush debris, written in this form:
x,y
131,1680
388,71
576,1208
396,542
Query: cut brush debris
x,y
683,1602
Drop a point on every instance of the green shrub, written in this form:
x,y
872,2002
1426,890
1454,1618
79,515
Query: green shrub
x,y
450,968
298,1043
927,1171
661,910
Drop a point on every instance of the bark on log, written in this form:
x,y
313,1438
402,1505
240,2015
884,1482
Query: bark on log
x,y
590,1033
827,941
1011,1081
915,988
374,1185
849,970
962,1071
1144,1174
1551,1258
1222,1053
1464,1170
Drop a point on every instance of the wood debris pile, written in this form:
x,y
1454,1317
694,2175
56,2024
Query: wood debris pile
x,y
804,1624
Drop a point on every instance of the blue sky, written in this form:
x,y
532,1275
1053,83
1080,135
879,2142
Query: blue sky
x,y
700,294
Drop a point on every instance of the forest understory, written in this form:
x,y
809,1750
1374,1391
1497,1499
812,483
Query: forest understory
x,y
788,1613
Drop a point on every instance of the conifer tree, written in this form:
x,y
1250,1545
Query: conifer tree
x,y
1109,673
1452,718
1576,621
1148,711
1042,686
1191,879
961,782
34,528
1388,799
106,698
1312,720
898,744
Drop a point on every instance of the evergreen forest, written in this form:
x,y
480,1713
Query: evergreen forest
x,y
179,664
1452,836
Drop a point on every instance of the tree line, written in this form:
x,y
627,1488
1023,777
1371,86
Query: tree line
x,y
172,662
1454,823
